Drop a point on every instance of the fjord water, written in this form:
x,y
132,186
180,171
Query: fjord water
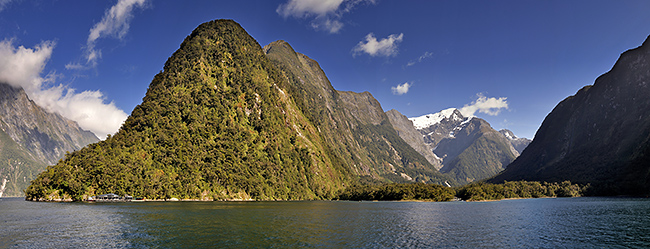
x,y
538,223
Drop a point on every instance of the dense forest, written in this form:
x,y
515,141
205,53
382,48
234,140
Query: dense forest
x,y
397,192
214,124
481,191
478,191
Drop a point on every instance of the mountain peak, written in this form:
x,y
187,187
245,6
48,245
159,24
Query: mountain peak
x,y
428,120
508,133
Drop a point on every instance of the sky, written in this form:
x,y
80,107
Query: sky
x,y
508,62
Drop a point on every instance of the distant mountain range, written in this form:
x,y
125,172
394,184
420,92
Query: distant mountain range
x,y
32,138
600,136
464,148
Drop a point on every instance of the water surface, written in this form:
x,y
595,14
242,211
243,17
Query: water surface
x,y
536,223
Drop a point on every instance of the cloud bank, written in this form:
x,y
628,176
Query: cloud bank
x,y
325,14
401,89
115,23
23,67
373,47
490,106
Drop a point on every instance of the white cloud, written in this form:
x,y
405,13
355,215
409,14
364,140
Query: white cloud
x,y
115,23
420,59
490,106
401,89
4,3
326,14
23,67
384,47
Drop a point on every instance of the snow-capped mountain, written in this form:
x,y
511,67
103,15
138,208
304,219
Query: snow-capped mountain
x,y
468,147
519,143
428,120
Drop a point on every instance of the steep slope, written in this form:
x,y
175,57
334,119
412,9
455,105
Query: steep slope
x,y
45,135
600,135
519,143
32,138
214,124
475,152
469,147
410,135
18,167
221,121
353,125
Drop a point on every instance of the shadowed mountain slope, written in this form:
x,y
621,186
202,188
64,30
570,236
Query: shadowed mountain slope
x,y
600,135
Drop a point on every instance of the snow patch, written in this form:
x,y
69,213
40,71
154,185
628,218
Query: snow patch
x,y
425,121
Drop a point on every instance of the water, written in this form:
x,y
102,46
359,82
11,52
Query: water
x,y
531,223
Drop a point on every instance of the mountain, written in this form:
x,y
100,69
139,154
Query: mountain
x,y
470,149
413,137
32,138
601,135
353,125
519,143
227,119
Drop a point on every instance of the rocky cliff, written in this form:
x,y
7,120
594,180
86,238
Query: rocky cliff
x,y
354,125
468,147
413,137
32,138
519,143
600,135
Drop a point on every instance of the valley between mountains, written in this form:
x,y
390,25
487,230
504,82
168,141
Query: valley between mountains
x,y
228,119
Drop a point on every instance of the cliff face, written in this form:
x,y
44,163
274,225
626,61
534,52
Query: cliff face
x,y
599,136
475,152
353,125
519,143
227,119
466,148
32,138
413,137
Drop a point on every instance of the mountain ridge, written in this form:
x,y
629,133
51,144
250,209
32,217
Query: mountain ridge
x,y
229,120
32,138
466,148
599,135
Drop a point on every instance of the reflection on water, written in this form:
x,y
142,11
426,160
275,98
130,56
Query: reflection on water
x,y
540,223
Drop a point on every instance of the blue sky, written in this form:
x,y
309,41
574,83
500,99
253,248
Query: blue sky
x,y
510,62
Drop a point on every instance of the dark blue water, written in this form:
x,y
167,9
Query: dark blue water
x,y
531,223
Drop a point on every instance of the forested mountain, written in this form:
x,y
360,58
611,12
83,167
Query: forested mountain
x,y
227,119
353,125
601,135
32,138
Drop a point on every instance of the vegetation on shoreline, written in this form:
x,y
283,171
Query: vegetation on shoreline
x,y
481,191
397,192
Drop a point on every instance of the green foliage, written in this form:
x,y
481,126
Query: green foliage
x,y
397,192
480,191
213,125
364,143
